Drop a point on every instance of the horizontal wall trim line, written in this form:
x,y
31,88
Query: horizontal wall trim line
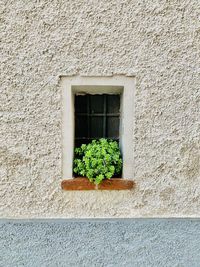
x,y
100,220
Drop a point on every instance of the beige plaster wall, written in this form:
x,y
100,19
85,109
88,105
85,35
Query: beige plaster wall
x,y
158,42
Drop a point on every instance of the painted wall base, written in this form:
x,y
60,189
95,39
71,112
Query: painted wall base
x,y
122,242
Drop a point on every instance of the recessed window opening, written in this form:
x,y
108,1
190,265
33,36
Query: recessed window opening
x,y
96,116
96,107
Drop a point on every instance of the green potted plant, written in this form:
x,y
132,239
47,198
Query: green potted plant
x,y
101,159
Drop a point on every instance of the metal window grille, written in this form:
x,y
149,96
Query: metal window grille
x,y
96,116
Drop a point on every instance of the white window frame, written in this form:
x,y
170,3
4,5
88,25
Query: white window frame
x,y
123,85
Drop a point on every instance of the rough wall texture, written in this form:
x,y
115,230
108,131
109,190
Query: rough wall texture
x,y
134,243
158,41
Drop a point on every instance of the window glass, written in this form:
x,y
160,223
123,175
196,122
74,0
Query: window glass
x,y
96,116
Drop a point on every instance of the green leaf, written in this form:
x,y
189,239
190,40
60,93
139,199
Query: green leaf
x,y
98,160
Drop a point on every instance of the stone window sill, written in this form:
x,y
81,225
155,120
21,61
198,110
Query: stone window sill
x,y
82,183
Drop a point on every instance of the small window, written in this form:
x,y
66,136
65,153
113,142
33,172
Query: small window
x,y
95,107
96,116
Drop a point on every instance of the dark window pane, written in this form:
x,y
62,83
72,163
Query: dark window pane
x,y
93,117
96,127
79,142
112,127
96,104
81,104
113,103
81,126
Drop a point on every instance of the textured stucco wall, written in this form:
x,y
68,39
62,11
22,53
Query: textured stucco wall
x,y
158,42
142,243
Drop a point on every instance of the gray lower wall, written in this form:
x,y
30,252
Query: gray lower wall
x,y
129,242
